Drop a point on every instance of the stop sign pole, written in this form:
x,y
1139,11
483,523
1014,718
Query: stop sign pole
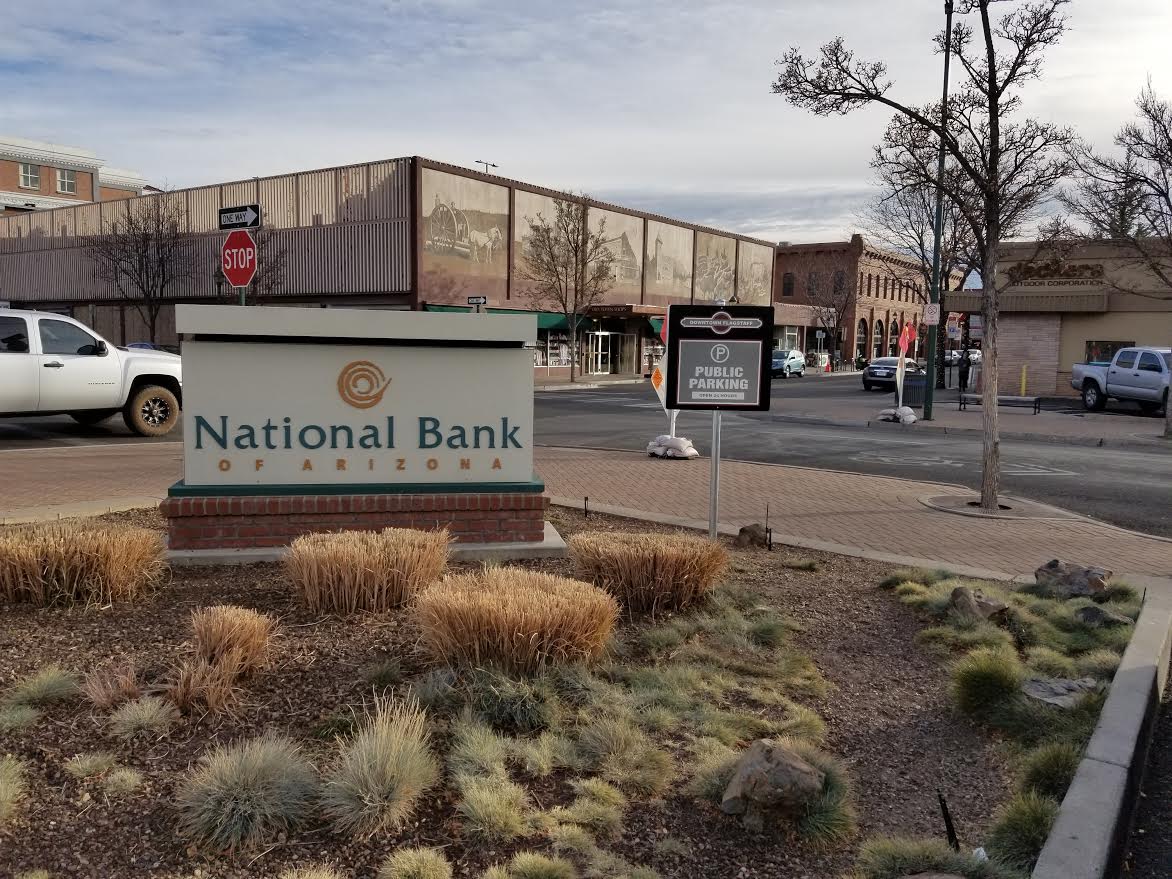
x,y
238,259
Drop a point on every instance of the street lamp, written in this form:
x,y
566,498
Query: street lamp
x,y
937,231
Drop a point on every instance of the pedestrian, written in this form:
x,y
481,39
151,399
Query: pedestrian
x,y
963,370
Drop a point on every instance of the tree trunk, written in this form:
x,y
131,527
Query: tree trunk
x,y
990,308
152,321
573,320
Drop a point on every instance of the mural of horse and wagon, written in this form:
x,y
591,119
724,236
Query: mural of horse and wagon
x,y
465,222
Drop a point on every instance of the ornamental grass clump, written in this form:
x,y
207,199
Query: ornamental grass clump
x,y
109,685
239,635
986,679
12,787
1049,769
61,564
49,684
1021,829
247,793
517,619
895,858
382,771
416,863
355,571
149,715
650,572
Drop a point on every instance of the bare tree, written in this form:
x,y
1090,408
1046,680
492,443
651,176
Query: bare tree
x,y
1007,167
831,303
145,252
1128,198
568,266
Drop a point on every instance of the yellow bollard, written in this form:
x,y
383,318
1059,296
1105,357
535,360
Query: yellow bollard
x,y
1024,366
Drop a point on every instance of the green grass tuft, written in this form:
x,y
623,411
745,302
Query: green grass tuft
x,y
1049,769
493,808
416,863
436,690
895,858
571,838
767,632
622,754
49,684
383,673
147,714
1118,590
1100,663
541,756
830,818
316,872
477,749
913,575
713,765
1050,663
512,704
122,781
1021,829
986,679
17,717
12,787
960,639
531,865
91,765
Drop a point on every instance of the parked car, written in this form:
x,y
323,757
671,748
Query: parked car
x,y
54,365
787,363
880,373
1137,374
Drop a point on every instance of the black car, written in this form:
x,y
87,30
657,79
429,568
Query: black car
x,y
880,373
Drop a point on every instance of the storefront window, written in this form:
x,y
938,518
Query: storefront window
x,y
877,349
1104,352
861,339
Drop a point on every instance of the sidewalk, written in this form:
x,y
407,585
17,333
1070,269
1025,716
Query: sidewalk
x,y
872,516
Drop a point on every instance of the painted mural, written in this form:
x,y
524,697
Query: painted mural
x,y
465,252
715,266
527,206
624,237
754,274
667,264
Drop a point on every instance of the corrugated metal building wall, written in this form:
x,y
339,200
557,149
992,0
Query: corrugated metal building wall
x,y
346,231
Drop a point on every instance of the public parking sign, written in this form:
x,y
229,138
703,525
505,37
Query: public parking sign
x,y
719,357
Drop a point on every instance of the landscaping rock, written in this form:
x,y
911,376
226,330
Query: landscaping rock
x,y
770,781
1100,618
974,605
1065,580
752,535
1059,692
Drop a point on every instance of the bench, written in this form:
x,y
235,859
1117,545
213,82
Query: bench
x,y
1034,402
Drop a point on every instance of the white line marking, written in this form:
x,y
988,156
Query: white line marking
x,y
92,446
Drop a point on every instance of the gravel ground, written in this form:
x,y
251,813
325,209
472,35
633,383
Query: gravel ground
x,y
1150,849
887,711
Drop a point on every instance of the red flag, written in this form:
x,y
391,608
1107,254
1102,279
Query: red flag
x,y
906,337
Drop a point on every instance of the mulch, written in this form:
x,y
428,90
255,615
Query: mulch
x,y
887,711
1149,854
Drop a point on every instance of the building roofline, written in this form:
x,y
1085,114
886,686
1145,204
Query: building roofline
x,y
49,153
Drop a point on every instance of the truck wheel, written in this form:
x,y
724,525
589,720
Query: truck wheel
x,y
1092,398
151,411
93,417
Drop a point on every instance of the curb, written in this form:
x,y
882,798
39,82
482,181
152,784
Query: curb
x,y
1136,444
1089,837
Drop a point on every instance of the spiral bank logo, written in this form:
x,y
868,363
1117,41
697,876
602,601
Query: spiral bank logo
x,y
362,384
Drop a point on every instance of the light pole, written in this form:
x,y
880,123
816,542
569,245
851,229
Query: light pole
x,y
938,229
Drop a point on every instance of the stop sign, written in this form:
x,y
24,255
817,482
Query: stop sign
x,y
238,258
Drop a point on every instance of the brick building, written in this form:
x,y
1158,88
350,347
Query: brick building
x,y
868,291
41,176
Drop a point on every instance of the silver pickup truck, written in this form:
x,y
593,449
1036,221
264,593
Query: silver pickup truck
x,y
1136,374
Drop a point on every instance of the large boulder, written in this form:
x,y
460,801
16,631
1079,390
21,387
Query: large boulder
x,y
1059,692
1096,617
973,605
753,535
770,782
1065,580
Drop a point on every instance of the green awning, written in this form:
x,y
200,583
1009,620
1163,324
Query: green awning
x,y
657,325
546,320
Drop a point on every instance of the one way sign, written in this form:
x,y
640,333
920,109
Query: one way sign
x,y
242,217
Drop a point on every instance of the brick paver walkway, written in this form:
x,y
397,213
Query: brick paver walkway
x,y
869,513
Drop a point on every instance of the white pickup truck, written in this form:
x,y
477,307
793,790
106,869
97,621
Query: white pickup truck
x,y
53,365
1136,374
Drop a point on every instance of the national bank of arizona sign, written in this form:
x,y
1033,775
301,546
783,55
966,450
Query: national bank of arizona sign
x,y
310,396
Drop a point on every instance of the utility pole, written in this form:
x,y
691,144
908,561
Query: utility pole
x,y
486,165
938,230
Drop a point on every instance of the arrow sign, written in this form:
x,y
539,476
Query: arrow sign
x,y
243,217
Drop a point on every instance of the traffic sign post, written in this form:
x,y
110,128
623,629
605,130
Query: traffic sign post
x,y
247,216
238,259
718,357
931,314
478,301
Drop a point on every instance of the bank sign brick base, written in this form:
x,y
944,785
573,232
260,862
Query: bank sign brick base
x,y
219,522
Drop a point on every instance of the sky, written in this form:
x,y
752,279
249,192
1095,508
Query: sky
x,y
662,106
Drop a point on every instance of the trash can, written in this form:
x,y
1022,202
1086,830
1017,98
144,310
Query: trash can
x,y
914,389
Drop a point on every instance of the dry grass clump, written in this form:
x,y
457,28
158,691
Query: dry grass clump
x,y
112,684
49,684
91,765
357,570
197,685
238,635
416,863
382,771
311,873
122,781
148,714
15,717
650,572
66,563
246,794
12,787
493,808
518,619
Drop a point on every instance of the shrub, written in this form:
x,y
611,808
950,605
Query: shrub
x,y
61,564
237,635
509,703
1100,663
361,571
49,684
14,717
148,714
650,572
518,619
1049,769
121,781
90,765
416,863
986,679
478,750
196,685
12,787
382,771
493,808
112,684
1021,828
893,858
245,794
531,865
